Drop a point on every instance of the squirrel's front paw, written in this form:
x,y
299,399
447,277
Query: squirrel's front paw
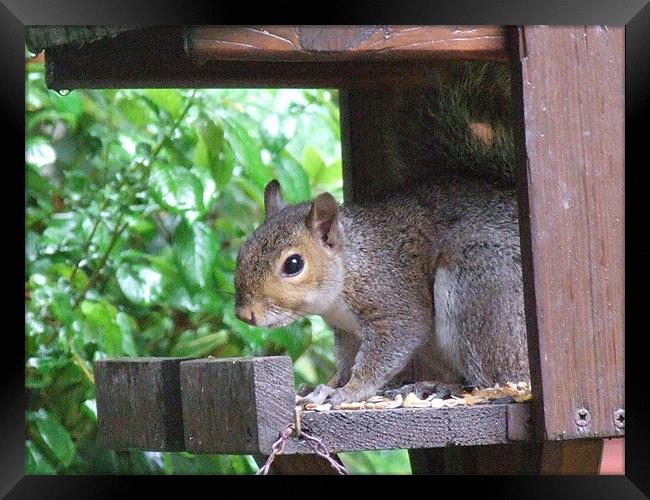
x,y
346,395
317,396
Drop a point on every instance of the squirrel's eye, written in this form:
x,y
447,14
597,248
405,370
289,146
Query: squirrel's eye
x,y
293,265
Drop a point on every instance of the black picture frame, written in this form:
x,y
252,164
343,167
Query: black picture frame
x,y
16,14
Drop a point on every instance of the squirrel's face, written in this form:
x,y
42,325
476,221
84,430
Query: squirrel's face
x,y
291,265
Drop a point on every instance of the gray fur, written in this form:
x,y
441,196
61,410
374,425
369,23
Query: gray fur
x,y
438,268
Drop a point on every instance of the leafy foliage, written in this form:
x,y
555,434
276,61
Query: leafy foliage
x,y
137,202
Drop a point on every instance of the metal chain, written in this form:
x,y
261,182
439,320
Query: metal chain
x,y
313,442
277,448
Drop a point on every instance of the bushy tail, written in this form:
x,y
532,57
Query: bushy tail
x,y
461,122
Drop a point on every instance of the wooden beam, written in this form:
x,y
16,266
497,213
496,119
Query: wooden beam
x,y
570,83
346,43
139,403
160,57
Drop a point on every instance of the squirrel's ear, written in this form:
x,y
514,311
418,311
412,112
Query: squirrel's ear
x,y
323,219
273,200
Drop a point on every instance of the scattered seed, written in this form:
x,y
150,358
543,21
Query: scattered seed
x,y
505,394
525,397
351,406
437,403
412,401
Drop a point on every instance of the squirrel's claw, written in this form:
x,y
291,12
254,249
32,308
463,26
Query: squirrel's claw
x,y
426,389
318,396
344,395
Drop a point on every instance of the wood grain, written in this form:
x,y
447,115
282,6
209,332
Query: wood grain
x,y
571,87
346,43
139,403
155,58
412,428
236,405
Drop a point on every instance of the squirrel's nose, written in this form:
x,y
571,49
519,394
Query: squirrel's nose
x,y
246,314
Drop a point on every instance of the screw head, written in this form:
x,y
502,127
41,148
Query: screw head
x,y
619,418
582,417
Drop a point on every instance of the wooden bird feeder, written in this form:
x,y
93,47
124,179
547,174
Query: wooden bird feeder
x,y
568,85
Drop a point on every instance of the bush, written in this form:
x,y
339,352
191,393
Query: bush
x,y
137,202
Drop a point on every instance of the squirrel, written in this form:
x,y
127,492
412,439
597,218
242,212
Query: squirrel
x,y
438,263
435,267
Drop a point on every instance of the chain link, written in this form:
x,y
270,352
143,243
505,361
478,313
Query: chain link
x,y
317,446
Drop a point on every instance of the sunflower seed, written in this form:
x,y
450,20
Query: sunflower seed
x,y
437,403
412,401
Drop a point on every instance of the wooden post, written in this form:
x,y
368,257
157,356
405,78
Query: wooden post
x,y
570,86
240,405
236,405
139,403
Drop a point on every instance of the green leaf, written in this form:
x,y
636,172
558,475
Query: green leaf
x,y
176,189
211,133
140,284
184,463
41,370
70,103
330,175
134,111
55,438
103,327
39,151
39,187
293,179
247,152
312,162
196,250
61,307
128,327
225,166
168,99
207,301
36,463
377,462
292,338
98,313
189,344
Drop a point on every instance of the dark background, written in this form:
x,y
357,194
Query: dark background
x,y
16,14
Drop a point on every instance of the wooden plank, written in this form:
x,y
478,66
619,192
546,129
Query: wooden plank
x,y
571,86
236,405
139,403
346,43
412,428
240,405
